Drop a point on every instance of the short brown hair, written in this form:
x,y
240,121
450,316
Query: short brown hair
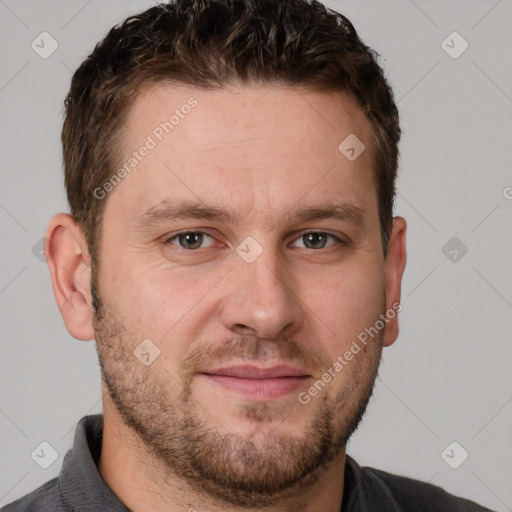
x,y
209,44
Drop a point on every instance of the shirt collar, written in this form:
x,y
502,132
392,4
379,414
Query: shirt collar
x,y
82,487
80,483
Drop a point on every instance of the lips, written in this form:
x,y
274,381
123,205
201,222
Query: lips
x,y
253,372
258,383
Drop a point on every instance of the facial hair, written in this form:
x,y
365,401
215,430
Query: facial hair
x,y
247,471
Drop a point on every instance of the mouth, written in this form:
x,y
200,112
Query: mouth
x,y
258,383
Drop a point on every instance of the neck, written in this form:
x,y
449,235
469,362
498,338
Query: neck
x,y
145,485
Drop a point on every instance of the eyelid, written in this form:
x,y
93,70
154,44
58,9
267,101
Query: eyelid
x,y
168,239
337,237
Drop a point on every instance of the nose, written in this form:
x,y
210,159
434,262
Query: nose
x,y
261,300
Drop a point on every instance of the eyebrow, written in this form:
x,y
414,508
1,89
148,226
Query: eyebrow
x,y
166,211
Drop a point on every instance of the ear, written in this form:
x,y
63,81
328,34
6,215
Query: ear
x,y
394,269
69,263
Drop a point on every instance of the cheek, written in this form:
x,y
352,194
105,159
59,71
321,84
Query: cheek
x,y
349,302
159,303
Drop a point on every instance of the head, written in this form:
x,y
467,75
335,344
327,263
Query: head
x,y
228,120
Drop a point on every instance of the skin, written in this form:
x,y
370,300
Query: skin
x,y
173,439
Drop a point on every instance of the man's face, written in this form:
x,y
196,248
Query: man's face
x,y
262,289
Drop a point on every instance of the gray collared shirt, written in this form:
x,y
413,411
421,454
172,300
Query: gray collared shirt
x,y
80,487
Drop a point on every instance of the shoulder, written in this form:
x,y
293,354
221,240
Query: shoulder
x,y
45,498
415,496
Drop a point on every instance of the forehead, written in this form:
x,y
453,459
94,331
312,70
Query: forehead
x,y
239,112
254,147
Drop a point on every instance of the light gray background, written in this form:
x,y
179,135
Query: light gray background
x,y
447,378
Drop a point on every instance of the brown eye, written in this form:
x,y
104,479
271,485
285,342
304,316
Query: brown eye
x,y
317,240
189,240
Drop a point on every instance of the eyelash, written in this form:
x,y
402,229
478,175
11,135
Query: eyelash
x,y
175,236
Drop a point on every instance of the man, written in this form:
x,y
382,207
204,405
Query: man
x,y
230,168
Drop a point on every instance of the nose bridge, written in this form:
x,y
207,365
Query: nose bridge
x,y
262,300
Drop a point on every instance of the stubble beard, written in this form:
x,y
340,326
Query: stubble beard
x,y
184,442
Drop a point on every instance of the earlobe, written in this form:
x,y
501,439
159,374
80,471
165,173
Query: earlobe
x,y
394,269
68,261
